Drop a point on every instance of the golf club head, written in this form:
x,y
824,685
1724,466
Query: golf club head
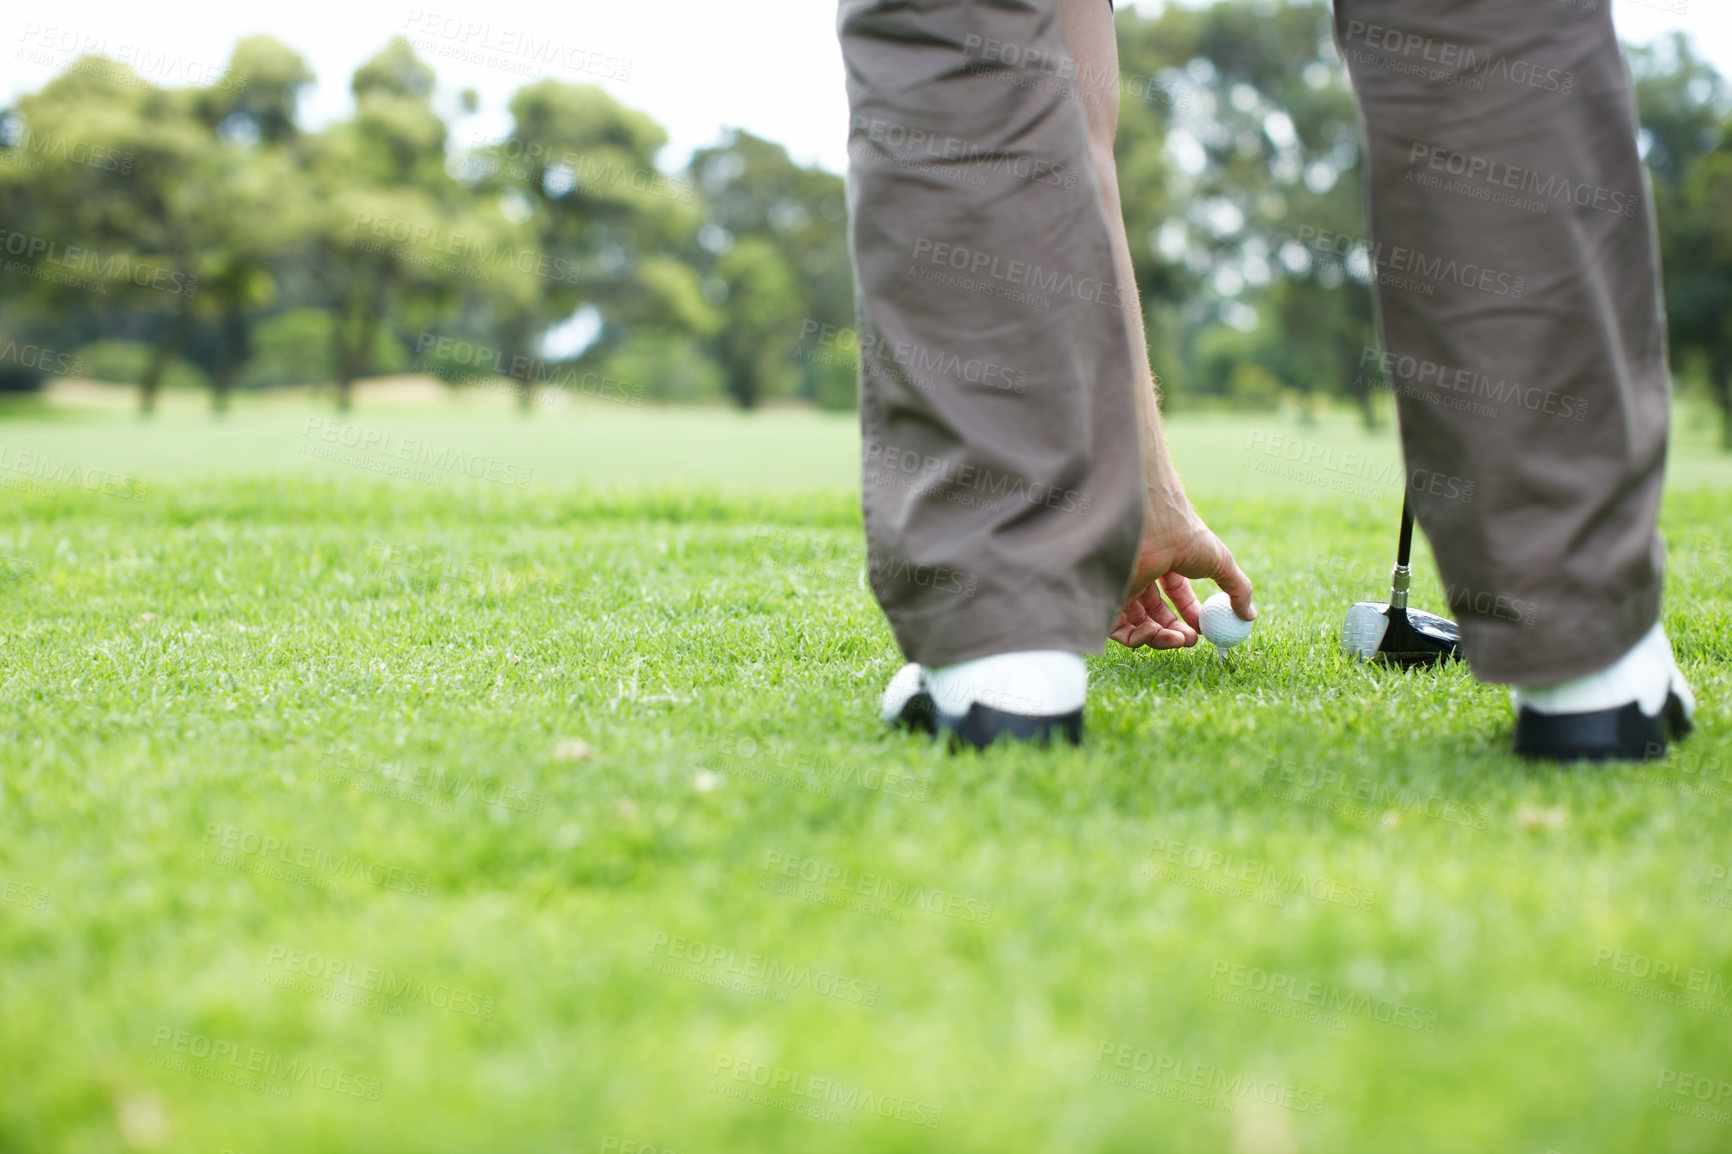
x,y
1362,634
1406,637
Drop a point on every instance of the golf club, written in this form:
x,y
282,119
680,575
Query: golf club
x,y
1392,633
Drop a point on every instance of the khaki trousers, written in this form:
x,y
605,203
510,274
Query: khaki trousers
x,y
1513,249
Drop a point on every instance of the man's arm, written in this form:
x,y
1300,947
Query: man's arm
x,y
1176,543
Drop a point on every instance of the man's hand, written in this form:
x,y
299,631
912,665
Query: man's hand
x,y
1167,556
1176,543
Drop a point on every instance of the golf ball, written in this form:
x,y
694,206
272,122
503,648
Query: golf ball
x,y
1221,626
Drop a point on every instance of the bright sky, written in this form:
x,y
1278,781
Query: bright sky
x,y
697,66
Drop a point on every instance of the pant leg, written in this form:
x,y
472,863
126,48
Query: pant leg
x,y
1002,470
1522,322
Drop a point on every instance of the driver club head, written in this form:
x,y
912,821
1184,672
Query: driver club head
x,y
1376,631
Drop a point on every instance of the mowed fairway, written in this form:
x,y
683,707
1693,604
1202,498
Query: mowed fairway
x,y
342,814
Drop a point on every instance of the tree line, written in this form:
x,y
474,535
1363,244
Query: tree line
x,y
202,236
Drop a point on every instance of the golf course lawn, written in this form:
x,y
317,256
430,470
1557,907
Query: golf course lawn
x,y
350,814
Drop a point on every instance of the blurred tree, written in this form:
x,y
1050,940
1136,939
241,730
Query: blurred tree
x,y
259,94
579,173
774,254
763,305
118,200
664,367
124,363
1238,145
1682,102
186,220
1699,274
395,240
254,216
255,209
1686,113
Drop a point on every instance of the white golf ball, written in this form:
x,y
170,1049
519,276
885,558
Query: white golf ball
x,y
1221,626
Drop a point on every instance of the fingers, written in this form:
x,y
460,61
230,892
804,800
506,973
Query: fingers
x,y
1146,619
1130,617
1234,583
1175,632
1184,598
1156,636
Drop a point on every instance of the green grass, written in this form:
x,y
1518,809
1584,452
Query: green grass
x,y
231,657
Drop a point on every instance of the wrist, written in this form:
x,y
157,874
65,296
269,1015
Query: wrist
x,y
1167,511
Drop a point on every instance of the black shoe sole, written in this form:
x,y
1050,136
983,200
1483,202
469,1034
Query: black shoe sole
x,y
1624,734
919,714
981,726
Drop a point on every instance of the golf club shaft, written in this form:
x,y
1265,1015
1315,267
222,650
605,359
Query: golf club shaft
x,y
1403,575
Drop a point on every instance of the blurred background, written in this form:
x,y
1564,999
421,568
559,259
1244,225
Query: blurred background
x,y
644,205
579,275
